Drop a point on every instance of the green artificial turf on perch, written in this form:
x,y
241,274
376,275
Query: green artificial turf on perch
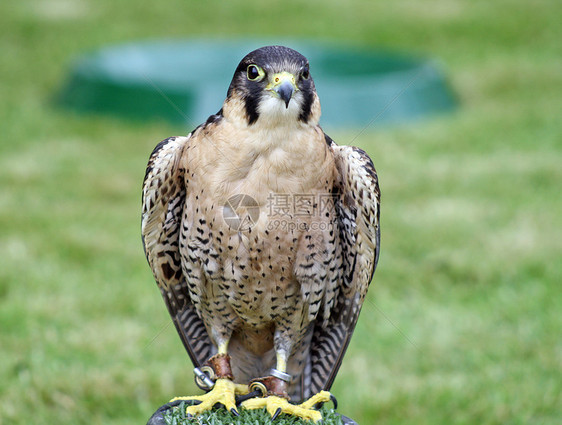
x,y
177,416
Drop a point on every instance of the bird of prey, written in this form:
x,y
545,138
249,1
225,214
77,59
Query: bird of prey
x,y
263,236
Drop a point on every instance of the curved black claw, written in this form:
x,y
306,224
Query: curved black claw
x,y
234,412
334,400
277,413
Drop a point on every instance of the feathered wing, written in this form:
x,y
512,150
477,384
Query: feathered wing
x,y
163,199
357,201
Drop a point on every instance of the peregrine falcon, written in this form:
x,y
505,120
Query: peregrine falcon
x,y
263,236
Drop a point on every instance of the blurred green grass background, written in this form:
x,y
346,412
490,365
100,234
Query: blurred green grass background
x,y
463,322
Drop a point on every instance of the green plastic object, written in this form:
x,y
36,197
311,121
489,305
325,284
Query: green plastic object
x,y
185,81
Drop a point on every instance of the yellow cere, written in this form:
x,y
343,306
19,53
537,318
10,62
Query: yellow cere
x,y
279,78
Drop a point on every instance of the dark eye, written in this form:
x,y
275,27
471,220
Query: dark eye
x,y
305,74
254,73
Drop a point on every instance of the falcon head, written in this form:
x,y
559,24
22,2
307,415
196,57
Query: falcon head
x,y
273,84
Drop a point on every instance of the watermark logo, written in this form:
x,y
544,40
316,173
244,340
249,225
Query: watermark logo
x,y
300,204
241,212
285,211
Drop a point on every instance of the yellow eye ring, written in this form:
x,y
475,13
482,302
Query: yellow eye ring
x,y
254,72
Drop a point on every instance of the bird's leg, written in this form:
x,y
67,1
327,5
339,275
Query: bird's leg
x,y
224,390
277,400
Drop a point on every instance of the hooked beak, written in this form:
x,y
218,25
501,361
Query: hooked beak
x,y
284,85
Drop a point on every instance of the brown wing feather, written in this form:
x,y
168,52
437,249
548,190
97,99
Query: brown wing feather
x,y
163,198
357,206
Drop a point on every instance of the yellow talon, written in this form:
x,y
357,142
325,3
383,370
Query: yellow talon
x,y
321,397
240,389
277,405
223,392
